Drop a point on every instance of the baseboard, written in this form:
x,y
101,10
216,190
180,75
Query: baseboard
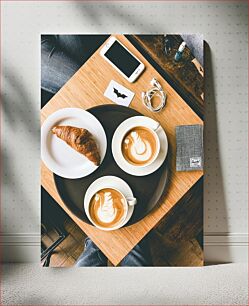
x,y
20,247
226,247
218,247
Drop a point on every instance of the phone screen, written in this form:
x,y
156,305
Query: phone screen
x,y
121,58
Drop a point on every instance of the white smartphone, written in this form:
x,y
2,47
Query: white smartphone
x,y
122,59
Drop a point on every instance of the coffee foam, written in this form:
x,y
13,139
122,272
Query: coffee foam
x,y
106,211
140,149
107,207
139,145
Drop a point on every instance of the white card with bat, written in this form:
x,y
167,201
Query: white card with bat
x,y
119,94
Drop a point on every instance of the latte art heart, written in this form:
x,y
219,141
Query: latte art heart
x,y
139,146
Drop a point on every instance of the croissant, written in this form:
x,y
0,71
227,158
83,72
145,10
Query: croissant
x,y
80,140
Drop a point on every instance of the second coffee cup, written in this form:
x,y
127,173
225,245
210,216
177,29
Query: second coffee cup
x,y
140,145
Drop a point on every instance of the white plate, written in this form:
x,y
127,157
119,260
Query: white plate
x,y
109,182
117,141
59,157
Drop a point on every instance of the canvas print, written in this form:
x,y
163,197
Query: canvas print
x,y
122,159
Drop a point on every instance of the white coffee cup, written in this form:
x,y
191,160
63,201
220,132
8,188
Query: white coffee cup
x,y
128,201
153,131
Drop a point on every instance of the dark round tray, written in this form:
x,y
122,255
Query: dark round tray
x,y
147,189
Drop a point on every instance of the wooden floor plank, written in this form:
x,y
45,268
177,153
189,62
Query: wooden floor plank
x,y
69,245
77,252
69,262
78,234
58,257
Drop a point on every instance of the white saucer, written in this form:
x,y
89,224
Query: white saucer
x,y
117,141
59,157
109,182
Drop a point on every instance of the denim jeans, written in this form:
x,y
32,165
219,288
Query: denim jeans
x,y
139,256
63,55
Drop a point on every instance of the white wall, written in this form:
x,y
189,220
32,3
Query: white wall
x,y
224,26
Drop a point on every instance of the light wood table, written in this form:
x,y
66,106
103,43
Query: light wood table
x,y
84,90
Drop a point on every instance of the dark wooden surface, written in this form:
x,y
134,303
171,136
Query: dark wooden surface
x,y
184,76
185,221
163,252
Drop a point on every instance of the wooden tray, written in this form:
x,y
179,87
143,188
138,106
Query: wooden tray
x,y
147,189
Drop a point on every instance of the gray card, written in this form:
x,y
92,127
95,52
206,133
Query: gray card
x,y
189,147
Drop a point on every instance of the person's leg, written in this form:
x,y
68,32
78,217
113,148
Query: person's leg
x,y
56,66
91,256
139,256
63,55
81,47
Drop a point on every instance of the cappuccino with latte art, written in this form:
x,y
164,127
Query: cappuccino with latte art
x,y
139,146
108,208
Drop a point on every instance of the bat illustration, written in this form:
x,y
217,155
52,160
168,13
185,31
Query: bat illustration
x,y
119,95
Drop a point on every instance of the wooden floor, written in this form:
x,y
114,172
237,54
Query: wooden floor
x,y
164,252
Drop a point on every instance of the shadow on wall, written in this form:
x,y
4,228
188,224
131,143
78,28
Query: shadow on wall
x,y
18,109
22,119
214,195
123,18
